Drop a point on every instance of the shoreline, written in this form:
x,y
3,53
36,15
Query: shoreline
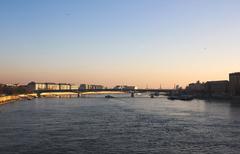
x,y
8,99
14,98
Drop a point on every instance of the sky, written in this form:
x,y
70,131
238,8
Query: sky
x,y
146,43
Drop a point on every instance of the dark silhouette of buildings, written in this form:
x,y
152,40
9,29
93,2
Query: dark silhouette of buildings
x,y
12,89
217,89
234,81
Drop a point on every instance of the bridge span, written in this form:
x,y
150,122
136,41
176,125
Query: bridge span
x,y
132,92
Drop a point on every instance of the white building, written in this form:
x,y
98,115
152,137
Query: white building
x,y
64,86
73,87
37,86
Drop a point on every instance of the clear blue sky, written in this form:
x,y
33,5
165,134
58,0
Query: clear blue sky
x,y
112,42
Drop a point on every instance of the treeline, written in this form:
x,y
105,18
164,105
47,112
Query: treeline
x,y
13,90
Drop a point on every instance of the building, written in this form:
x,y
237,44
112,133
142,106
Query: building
x,y
125,87
217,88
196,89
73,87
84,87
33,86
36,86
90,87
12,85
52,86
96,87
130,87
234,84
64,86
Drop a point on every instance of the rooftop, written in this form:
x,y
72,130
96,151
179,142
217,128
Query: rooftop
x,y
235,73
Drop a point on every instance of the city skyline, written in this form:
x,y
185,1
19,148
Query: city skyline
x,y
116,85
138,42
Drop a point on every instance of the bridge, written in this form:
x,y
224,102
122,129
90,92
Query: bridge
x,y
132,92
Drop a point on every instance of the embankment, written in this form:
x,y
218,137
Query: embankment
x,y
6,99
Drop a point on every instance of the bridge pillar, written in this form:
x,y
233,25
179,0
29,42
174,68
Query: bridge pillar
x,y
152,95
79,95
38,94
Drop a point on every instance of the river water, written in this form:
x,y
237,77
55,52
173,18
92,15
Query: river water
x,y
120,125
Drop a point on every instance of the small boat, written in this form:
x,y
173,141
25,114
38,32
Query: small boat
x,y
186,97
173,97
109,96
139,94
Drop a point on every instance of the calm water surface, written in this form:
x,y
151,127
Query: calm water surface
x,y
120,125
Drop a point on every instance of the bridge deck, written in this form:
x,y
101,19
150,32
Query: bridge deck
x,y
102,90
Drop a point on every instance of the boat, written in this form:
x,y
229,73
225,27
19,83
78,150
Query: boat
x,y
139,94
172,97
109,96
186,97
181,97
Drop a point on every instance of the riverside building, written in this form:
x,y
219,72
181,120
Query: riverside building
x,y
234,84
217,88
64,86
34,86
125,87
73,87
90,87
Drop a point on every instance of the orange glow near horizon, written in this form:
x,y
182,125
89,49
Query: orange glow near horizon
x,y
140,79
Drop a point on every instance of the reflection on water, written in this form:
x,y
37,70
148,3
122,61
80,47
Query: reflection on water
x,y
120,125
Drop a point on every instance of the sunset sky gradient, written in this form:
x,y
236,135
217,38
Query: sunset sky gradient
x,y
109,42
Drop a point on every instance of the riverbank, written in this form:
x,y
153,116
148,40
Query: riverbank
x,y
8,99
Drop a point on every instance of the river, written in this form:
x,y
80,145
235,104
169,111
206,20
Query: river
x,y
120,125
